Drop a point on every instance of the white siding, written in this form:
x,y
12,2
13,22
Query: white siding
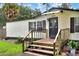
x,y
64,22
21,28
16,29
74,36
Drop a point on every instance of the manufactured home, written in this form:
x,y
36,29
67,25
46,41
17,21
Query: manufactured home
x,y
52,21
51,29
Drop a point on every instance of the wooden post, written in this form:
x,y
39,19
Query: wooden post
x,y
23,46
46,33
31,36
54,49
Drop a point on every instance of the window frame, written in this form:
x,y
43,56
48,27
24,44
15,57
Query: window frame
x,y
42,26
76,24
39,27
32,24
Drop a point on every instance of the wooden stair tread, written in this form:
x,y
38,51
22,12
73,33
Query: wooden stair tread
x,y
43,51
34,54
45,44
44,41
41,46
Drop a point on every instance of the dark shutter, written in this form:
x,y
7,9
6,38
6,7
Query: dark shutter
x,y
72,25
44,24
29,26
34,25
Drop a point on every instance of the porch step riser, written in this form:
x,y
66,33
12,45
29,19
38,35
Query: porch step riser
x,y
41,53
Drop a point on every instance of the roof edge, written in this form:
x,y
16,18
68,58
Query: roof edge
x,y
71,9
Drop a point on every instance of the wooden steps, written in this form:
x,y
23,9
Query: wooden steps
x,y
41,47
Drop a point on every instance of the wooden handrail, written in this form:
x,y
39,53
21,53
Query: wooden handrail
x,y
23,40
55,41
58,39
57,35
30,41
27,35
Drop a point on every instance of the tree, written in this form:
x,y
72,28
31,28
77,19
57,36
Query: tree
x,y
15,12
36,13
46,5
27,13
10,10
65,5
2,19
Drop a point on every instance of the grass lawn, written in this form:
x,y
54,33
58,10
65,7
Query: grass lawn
x,y
7,48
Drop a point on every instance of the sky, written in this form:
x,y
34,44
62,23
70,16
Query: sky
x,y
42,7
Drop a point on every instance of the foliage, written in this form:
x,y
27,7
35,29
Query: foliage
x,y
65,5
25,13
7,48
14,12
46,6
10,10
19,39
35,13
72,44
2,20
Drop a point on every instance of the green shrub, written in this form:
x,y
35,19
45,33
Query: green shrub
x,y
72,44
19,39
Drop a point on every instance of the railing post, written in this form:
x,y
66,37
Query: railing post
x,y
54,49
32,36
23,46
46,33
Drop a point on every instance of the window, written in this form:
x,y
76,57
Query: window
x,y
39,25
76,24
32,26
74,27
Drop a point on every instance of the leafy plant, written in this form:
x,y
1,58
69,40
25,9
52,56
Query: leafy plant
x,y
19,39
72,44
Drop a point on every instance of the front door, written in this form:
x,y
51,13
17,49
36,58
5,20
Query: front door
x,y
53,27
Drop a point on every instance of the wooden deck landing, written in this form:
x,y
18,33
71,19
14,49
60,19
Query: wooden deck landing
x,y
45,41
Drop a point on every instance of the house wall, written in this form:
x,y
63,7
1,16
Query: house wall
x,y
64,21
20,28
